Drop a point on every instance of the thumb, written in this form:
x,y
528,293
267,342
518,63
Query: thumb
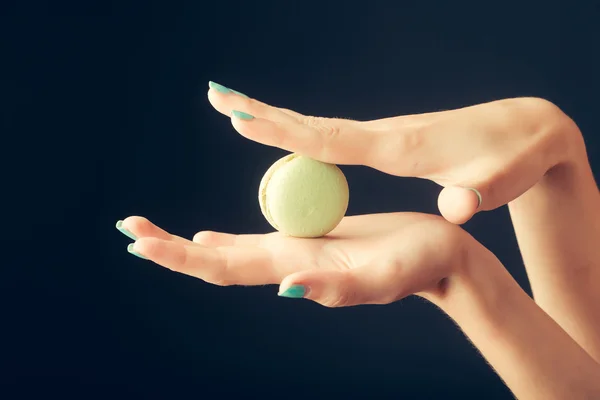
x,y
458,205
336,288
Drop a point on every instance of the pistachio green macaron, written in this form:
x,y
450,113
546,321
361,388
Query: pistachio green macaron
x,y
303,197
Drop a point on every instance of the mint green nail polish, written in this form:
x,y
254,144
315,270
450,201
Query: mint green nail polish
x,y
135,253
124,231
294,292
242,115
225,90
219,88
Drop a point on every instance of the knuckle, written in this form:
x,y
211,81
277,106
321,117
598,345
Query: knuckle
x,y
325,126
412,139
560,131
543,105
218,278
220,275
404,147
345,296
538,106
341,299
552,113
155,249
139,223
182,259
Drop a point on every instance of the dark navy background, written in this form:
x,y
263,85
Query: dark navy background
x,y
104,115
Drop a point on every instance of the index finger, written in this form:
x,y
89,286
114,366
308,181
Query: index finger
x,y
328,140
331,140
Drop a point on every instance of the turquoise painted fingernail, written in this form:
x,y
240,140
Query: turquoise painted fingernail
x,y
222,89
135,253
219,88
124,231
242,115
294,292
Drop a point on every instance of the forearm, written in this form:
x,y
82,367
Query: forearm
x,y
528,350
557,224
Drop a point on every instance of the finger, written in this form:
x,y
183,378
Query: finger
x,y
218,239
226,265
512,181
226,102
458,205
140,227
333,140
496,186
329,140
339,288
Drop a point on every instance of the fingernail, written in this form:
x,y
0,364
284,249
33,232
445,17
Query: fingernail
x,y
478,196
242,115
124,231
294,292
222,89
219,88
135,253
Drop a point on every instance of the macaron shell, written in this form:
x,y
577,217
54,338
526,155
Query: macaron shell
x,y
303,197
262,190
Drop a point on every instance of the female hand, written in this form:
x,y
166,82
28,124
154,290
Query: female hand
x,y
368,259
377,259
498,149
524,152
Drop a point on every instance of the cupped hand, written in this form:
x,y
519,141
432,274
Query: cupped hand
x,y
485,155
367,259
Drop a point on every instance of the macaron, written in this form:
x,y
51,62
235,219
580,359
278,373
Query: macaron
x,y
303,197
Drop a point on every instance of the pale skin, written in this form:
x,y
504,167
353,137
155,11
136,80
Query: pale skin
x,y
523,152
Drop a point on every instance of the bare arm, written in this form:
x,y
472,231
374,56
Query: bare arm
x,y
527,348
557,223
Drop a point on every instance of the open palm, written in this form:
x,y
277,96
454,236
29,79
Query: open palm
x,y
367,259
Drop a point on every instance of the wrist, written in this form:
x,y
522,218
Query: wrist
x,y
530,352
478,279
567,155
557,226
